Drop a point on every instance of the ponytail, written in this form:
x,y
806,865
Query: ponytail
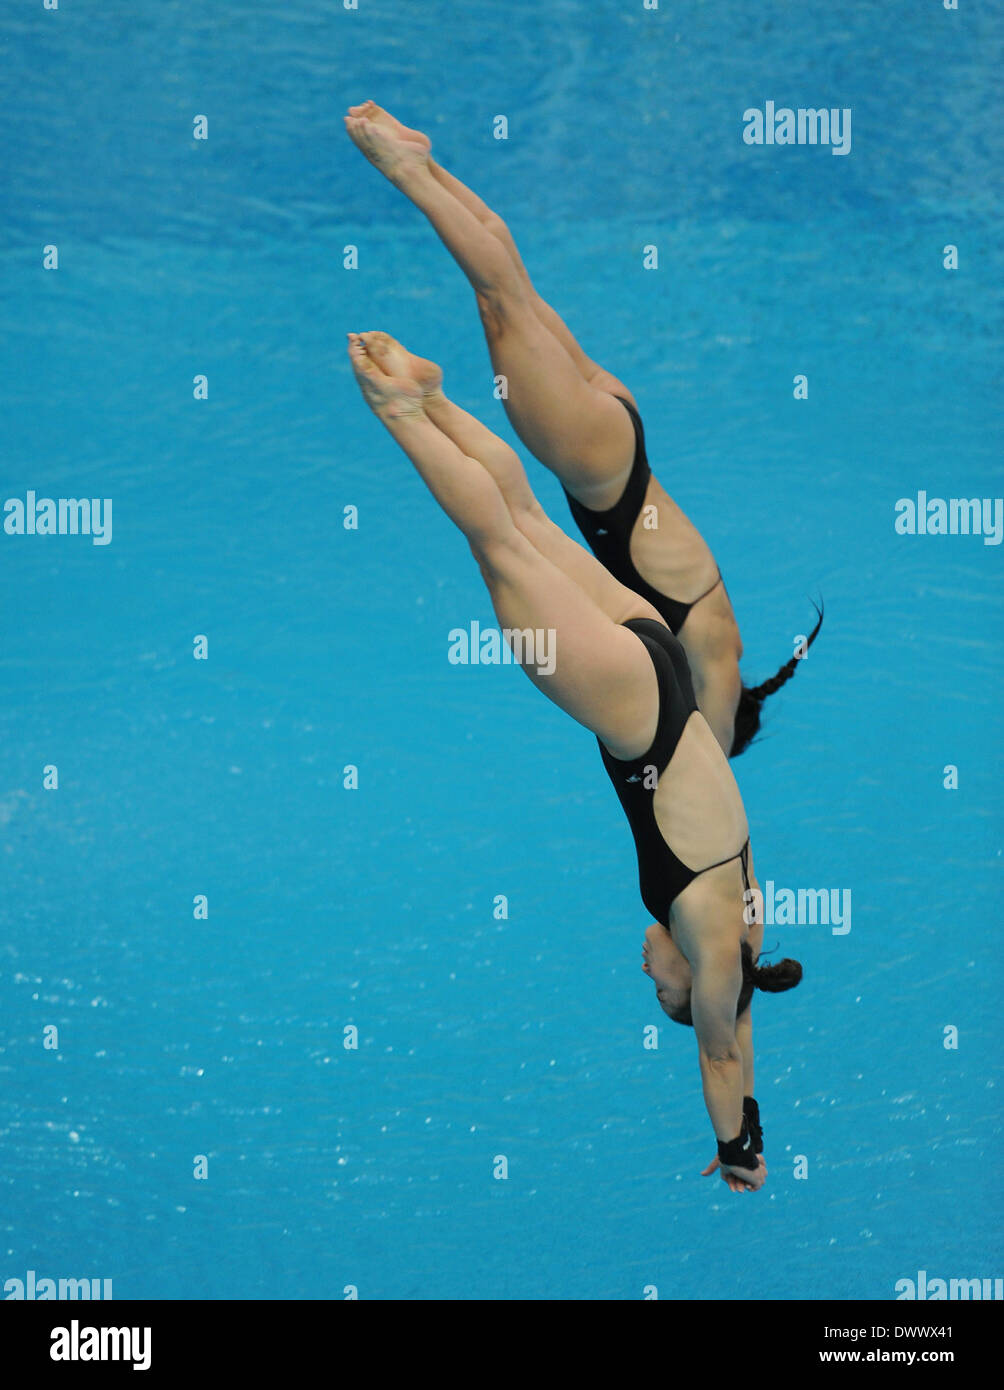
x,y
772,979
747,724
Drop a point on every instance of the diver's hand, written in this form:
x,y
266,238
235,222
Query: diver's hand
x,y
740,1179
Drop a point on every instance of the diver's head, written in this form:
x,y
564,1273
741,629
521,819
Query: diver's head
x,y
668,967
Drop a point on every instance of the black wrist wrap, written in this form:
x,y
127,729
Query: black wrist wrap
x,y
738,1152
751,1114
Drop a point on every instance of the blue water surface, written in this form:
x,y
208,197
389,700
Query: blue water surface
x,y
373,1168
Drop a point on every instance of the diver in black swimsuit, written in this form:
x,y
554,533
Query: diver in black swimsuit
x,y
570,413
619,671
608,533
662,875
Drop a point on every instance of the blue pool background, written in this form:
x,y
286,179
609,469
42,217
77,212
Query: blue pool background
x,y
331,1168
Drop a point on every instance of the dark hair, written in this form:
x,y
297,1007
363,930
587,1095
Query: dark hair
x,y
772,979
747,724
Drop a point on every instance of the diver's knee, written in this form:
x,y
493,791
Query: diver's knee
x,y
493,307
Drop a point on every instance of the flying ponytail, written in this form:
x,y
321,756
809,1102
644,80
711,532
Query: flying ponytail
x,y
772,979
747,724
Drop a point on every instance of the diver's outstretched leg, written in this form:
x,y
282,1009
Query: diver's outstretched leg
x,y
596,670
571,425
591,371
503,463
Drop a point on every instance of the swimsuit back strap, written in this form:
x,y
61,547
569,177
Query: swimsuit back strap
x,y
742,855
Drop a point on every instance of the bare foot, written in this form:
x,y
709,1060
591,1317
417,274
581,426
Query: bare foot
x,y
394,358
370,111
385,150
388,396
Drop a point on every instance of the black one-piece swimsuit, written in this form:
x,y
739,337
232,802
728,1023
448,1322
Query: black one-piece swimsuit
x,y
662,876
608,534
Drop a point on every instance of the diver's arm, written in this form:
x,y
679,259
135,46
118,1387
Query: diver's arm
x,y
717,977
716,981
744,1037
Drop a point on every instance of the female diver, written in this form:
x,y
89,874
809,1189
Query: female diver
x,y
616,668
582,424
